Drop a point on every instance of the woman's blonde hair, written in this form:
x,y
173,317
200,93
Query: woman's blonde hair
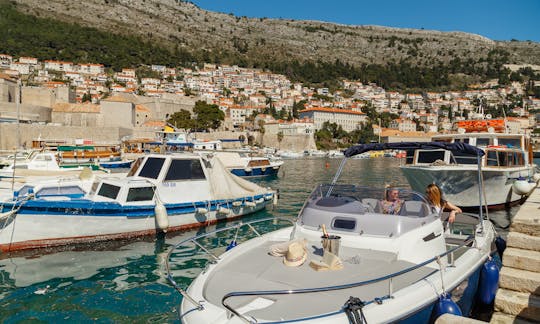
x,y
433,193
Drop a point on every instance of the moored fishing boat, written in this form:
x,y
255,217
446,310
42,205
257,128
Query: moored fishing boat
x,y
397,267
160,193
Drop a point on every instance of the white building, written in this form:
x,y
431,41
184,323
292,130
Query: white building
x,y
349,120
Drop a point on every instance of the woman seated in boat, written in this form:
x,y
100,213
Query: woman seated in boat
x,y
392,203
438,204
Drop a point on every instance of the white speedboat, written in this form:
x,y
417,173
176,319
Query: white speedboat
x,y
396,267
244,164
37,164
161,192
507,169
290,155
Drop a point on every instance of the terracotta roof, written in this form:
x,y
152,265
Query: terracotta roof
x,y
154,123
6,77
333,110
142,108
116,98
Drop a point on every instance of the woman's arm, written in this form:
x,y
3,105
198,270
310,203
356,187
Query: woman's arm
x,y
453,210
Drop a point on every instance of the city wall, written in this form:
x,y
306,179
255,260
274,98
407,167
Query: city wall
x,y
30,132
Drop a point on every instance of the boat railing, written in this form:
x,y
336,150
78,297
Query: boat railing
x,y
378,300
194,240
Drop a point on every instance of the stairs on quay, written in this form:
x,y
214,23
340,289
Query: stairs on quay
x,y
518,297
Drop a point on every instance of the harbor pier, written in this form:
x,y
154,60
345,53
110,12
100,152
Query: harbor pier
x,y
518,297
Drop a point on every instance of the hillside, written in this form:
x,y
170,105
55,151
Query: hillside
x,y
275,43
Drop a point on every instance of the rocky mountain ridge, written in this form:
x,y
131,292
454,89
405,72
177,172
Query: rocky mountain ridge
x,y
184,25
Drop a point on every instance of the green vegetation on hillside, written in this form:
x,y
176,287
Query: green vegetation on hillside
x,y
44,38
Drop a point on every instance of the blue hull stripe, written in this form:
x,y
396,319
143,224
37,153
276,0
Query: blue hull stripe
x,y
85,207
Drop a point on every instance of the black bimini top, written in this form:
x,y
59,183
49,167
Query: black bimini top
x,y
454,147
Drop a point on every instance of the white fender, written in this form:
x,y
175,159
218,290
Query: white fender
x,y
247,170
237,203
224,210
201,210
162,219
259,201
250,204
522,187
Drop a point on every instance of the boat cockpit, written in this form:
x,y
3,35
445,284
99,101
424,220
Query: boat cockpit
x,y
359,210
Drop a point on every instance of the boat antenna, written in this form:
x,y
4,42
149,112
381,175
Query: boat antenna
x,y
336,177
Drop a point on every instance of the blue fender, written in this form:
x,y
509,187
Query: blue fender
x,y
489,282
446,305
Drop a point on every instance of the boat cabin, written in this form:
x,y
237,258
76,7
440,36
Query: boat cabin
x,y
502,150
176,177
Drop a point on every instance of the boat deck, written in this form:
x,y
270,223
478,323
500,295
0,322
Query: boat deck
x,y
257,270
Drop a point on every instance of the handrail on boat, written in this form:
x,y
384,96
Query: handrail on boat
x,y
340,287
194,239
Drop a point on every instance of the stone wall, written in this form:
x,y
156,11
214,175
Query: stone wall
x,y
27,112
30,132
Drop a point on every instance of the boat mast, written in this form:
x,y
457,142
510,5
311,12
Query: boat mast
x,y
17,99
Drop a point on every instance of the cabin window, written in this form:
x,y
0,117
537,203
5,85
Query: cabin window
x,y
503,158
482,141
140,194
109,191
344,224
135,167
464,158
430,156
151,168
61,191
185,170
43,158
492,158
510,142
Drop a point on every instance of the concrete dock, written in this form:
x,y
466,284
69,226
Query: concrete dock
x,y
518,297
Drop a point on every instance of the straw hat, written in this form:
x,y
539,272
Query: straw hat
x,y
296,255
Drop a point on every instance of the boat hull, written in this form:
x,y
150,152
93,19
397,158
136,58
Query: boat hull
x,y
256,171
460,184
83,222
413,304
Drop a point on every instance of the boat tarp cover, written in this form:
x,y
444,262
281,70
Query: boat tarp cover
x,y
226,185
454,147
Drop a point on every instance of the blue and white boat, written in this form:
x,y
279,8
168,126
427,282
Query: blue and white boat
x,y
244,164
116,164
160,193
397,268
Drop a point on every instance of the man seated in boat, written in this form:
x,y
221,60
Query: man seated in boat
x,y
392,203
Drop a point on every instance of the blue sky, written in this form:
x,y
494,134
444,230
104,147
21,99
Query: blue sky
x,y
495,19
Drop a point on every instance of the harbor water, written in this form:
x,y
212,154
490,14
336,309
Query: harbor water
x,y
125,281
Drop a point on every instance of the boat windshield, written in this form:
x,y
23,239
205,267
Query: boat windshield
x,y
361,193
355,209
